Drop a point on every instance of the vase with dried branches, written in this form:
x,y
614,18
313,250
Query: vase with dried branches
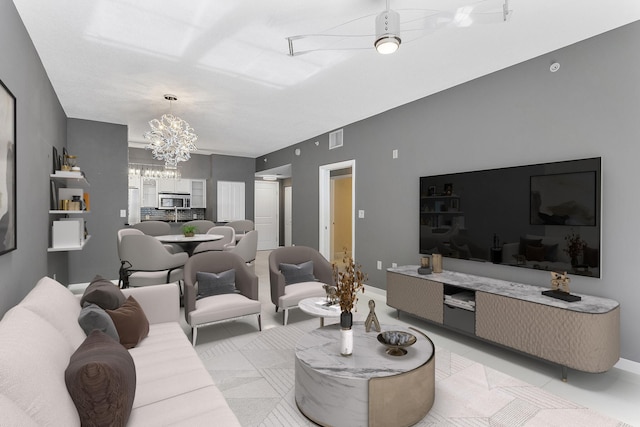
x,y
349,280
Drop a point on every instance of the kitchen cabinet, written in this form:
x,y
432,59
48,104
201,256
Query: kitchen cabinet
x,y
172,185
149,193
134,181
198,190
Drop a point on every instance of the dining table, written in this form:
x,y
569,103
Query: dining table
x,y
188,243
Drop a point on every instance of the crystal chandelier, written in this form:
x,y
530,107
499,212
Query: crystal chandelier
x,y
172,139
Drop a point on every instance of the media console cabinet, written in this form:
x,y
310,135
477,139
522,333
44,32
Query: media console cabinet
x,y
582,335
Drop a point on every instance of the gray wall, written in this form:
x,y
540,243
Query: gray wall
x,y
102,153
41,124
521,115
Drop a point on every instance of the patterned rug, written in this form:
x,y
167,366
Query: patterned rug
x,y
255,372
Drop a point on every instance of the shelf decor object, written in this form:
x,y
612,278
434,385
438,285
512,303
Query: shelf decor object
x,y
172,139
8,228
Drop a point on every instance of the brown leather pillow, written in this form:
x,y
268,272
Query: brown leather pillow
x,y
101,380
103,293
131,323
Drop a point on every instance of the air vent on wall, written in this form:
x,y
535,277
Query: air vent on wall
x,y
335,139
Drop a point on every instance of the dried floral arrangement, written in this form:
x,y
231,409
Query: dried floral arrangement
x,y
348,281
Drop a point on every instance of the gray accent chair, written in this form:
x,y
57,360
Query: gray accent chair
x,y
247,248
288,296
218,308
228,241
202,225
242,227
151,263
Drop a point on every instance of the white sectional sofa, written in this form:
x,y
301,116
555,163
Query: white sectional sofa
x,y
39,335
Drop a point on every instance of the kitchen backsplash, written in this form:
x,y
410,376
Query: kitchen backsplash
x,y
148,214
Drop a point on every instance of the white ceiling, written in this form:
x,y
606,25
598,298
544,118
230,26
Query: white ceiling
x,y
227,60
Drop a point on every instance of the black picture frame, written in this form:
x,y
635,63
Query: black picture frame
x,y
8,212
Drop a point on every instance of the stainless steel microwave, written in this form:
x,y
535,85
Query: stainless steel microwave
x,y
174,200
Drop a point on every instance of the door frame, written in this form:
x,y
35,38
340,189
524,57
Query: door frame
x,y
324,207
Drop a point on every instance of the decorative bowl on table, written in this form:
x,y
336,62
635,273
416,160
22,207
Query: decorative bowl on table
x,y
396,341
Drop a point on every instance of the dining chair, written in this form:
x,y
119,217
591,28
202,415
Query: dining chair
x,y
153,228
227,241
288,289
151,263
247,248
221,301
242,226
158,228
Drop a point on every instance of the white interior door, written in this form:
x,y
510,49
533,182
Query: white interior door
x,y
266,214
287,216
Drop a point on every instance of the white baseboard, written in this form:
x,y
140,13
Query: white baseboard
x,y
628,365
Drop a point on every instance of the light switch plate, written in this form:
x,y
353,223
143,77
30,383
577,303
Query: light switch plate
x,y
361,213
123,213
379,265
395,154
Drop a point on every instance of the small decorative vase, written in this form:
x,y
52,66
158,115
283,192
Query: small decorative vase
x,y
346,333
189,234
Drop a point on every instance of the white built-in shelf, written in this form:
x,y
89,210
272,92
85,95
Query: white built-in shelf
x,y
69,248
59,211
79,180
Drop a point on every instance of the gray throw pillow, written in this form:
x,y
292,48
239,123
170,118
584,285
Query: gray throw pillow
x,y
210,284
103,293
297,273
93,317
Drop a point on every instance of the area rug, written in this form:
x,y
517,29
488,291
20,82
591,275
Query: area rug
x,y
255,372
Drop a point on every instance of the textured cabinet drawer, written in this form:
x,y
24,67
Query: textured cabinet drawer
x,y
460,318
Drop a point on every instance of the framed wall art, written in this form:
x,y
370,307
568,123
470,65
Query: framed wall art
x,y
7,170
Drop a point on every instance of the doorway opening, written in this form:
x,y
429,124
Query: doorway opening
x,y
337,210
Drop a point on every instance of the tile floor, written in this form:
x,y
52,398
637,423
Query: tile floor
x,y
615,393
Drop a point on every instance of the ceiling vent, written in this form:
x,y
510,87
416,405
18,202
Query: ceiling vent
x,y
335,139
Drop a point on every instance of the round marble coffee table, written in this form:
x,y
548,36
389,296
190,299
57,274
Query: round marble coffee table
x,y
317,306
368,388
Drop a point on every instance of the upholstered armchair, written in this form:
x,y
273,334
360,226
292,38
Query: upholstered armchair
x,y
287,295
224,300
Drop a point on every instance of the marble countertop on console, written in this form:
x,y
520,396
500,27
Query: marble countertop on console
x,y
320,350
588,304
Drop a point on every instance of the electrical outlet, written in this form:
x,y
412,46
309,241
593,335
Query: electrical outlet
x,y
395,154
394,265
379,265
195,216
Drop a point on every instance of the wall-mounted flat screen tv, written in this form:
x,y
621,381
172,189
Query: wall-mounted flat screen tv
x,y
543,216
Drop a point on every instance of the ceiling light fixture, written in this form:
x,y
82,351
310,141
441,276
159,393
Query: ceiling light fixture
x,y
172,139
387,31
270,177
